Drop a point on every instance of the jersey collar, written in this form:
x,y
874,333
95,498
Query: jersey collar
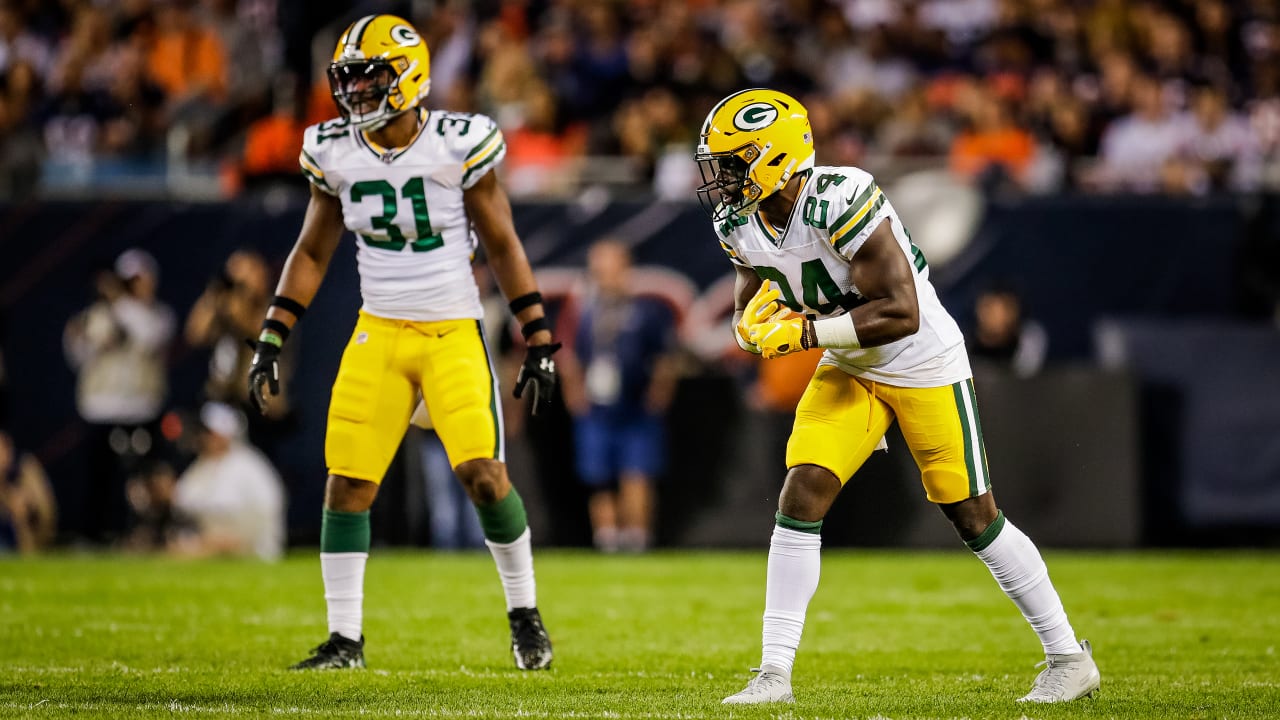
x,y
388,155
777,238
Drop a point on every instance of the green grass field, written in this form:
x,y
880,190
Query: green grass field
x,y
890,635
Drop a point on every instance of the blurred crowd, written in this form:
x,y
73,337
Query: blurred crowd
x,y
1179,96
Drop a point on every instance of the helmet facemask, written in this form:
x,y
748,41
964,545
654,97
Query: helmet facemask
x,y
727,190
363,90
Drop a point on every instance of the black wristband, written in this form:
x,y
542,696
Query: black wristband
x,y
534,326
277,327
527,300
288,303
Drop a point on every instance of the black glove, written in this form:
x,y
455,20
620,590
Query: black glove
x,y
265,369
538,370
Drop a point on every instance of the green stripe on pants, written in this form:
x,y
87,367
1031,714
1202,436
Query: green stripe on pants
x,y
958,390
982,443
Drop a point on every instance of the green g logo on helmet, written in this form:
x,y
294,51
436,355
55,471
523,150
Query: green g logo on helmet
x,y
755,116
405,36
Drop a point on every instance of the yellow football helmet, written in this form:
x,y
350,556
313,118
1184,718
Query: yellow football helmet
x,y
752,143
380,69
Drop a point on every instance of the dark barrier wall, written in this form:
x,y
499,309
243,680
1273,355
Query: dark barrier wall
x,y
1075,259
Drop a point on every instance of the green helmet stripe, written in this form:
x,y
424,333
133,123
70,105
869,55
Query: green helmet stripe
x,y
357,31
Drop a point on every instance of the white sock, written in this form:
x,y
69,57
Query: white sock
x,y
633,540
795,561
606,539
344,591
1022,574
515,568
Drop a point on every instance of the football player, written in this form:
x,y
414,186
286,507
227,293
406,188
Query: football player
x,y
823,261
412,185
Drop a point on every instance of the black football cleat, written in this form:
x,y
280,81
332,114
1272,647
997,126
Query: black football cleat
x,y
336,653
529,640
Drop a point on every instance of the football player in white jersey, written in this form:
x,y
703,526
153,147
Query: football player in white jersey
x,y
824,261
412,185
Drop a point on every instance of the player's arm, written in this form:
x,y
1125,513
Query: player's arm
x,y
884,276
490,213
322,229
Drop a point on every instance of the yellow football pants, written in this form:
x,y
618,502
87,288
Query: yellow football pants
x,y
386,365
841,418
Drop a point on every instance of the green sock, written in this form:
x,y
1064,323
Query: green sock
x,y
504,521
804,526
344,532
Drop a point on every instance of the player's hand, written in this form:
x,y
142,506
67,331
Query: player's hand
x,y
264,371
538,370
778,337
763,307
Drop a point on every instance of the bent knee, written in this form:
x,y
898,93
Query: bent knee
x,y
484,480
349,494
808,493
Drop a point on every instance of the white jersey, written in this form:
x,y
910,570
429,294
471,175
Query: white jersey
x,y
414,240
834,214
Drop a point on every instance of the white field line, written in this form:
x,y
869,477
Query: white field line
x,y
229,709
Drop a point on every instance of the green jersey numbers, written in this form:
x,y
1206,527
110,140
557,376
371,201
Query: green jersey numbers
x,y
815,209
819,291
414,191
332,130
462,124
827,180
815,212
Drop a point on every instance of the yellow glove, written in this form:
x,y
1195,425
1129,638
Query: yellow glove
x,y
779,337
762,307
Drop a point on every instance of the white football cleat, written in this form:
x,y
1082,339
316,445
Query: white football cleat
x,y
770,685
1066,677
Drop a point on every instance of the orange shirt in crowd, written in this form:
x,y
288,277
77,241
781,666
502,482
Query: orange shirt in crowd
x,y
972,151
180,62
542,149
272,146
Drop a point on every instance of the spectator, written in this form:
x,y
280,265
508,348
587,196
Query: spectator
x,y
272,143
231,492
158,524
19,130
118,347
1136,147
995,143
1003,337
189,62
28,513
228,312
1221,142
19,45
618,388
541,153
